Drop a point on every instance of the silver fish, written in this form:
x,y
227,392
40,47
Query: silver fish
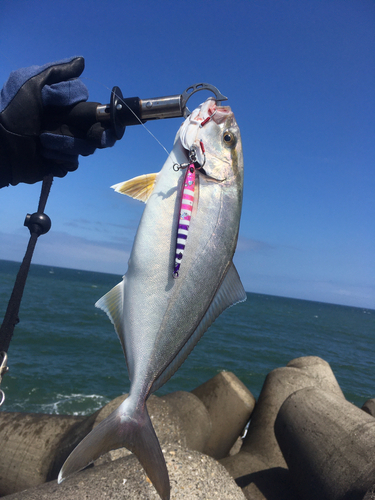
x,y
159,319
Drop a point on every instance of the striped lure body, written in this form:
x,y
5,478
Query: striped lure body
x,y
186,208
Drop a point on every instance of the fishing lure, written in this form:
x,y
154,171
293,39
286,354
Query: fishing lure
x,y
186,205
186,209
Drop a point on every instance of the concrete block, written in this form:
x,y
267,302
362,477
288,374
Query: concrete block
x,y
260,450
279,384
34,447
179,418
328,444
369,407
230,405
370,493
187,421
193,476
257,480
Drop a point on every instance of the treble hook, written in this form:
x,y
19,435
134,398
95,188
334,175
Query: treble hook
x,y
3,370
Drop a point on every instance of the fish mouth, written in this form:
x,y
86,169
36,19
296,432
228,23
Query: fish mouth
x,y
208,177
207,112
220,113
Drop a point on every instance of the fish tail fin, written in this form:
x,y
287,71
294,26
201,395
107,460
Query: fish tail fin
x,y
128,427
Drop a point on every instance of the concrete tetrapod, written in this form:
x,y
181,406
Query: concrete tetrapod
x,y
34,446
179,417
260,467
369,407
328,444
193,476
370,494
230,405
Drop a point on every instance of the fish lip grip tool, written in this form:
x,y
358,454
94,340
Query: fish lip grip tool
x,y
121,112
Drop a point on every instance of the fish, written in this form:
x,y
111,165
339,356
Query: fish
x,y
159,317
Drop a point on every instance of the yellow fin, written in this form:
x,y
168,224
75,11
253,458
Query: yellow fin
x,y
139,188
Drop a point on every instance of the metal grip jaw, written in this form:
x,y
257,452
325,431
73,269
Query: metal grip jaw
x,y
175,105
219,97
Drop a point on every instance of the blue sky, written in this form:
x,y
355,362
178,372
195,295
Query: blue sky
x,y
300,78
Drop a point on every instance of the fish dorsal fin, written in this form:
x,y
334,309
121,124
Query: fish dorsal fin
x,y
230,292
139,188
112,304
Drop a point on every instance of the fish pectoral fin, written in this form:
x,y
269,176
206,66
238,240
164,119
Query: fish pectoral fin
x,y
139,188
229,293
130,426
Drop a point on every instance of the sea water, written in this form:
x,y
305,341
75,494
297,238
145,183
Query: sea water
x,y
65,356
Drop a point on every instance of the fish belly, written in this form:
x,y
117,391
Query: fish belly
x,y
160,312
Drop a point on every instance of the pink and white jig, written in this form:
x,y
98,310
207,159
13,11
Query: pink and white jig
x,y
186,206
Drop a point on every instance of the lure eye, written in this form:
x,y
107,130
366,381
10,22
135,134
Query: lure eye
x,y
229,139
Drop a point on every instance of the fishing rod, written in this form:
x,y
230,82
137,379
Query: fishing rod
x,y
122,112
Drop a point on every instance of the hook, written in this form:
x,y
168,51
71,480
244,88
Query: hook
x,y
196,88
3,370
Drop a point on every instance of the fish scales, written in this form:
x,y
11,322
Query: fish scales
x,y
160,319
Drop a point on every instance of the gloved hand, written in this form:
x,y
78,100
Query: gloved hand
x,y
34,140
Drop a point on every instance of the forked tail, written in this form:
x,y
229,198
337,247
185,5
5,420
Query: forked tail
x,y
129,427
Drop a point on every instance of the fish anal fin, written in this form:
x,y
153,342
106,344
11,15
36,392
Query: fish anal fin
x,y
139,188
229,293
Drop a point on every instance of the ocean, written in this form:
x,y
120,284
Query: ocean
x,y
65,357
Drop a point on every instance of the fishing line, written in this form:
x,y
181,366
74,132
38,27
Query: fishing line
x,y
137,117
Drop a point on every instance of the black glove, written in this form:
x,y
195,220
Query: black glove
x,y
34,140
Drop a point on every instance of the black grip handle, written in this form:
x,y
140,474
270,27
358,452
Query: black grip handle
x,y
83,115
116,115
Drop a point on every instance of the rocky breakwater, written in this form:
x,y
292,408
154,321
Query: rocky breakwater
x,y
304,441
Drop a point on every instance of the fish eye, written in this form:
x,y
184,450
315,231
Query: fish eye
x,y
229,139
